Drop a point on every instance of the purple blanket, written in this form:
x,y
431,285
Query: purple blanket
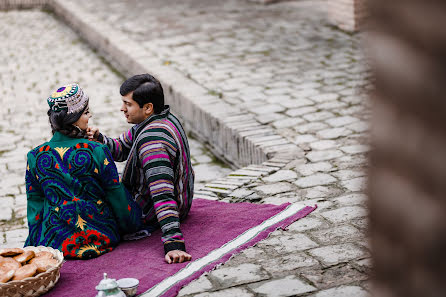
x,y
214,231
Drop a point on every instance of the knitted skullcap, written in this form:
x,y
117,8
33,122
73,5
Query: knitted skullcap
x,y
70,98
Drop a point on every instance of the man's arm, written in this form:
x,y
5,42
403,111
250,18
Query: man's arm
x,y
154,151
119,147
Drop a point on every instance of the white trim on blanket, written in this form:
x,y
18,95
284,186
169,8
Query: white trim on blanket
x,y
218,253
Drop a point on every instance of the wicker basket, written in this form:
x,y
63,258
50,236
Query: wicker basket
x,y
36,285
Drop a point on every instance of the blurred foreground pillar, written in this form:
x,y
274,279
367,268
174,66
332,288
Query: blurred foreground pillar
x,y
407,45
348,15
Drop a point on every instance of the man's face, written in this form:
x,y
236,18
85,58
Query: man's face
x,y
133,113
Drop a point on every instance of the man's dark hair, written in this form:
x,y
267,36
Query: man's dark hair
x,y
146,89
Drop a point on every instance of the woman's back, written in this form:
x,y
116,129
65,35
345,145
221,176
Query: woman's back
x,y
76,202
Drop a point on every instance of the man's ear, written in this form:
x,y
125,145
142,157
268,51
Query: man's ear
x,y
148,108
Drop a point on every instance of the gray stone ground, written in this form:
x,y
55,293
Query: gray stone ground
x,y
281,63
27,77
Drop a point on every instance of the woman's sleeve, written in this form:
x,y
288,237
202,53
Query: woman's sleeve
x,y
125,209
35,202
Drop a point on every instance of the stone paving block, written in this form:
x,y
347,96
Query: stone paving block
x,y
304,138
349,174
351,199
300,111
208,172
355,149
312,168
254,253
310,223
242,274
200,285
262,167
241,193
247,172
356,184
296,103
281,175
239,292
317,179
323,144
278,200
287,286
322,192
341,121
318,116
344,291
291,243
335,254
223,192
359,127
344,214
280,265
6,209
265,109
324,97
285,123
334,276
316,156
15,238
331,105
5,213
364,265
336,235
362,223
272,189
333,133
19,201
311,127
269,117
223,186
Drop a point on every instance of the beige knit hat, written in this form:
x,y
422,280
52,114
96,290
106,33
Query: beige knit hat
x,y
70,98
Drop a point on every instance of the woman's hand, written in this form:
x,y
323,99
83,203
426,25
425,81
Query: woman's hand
x,y
177,256
92,133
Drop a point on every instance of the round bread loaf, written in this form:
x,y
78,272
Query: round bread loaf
x,y
6,276
25,271
7,264
25,257
44,254
43,264
9,252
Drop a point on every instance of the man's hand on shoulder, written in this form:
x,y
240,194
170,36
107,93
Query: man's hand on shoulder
x,y
92,133
177,256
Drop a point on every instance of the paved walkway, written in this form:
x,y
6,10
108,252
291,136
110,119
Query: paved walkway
x,y
283,65
27,78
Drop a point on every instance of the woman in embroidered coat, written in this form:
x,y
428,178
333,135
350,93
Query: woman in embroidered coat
x,y
76,202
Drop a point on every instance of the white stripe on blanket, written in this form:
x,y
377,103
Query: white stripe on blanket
x,y
216,254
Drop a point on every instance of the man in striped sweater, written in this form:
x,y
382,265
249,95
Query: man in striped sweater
x,y
158,171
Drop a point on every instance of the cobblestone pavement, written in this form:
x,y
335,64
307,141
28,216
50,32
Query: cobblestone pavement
x,y
27,78
295,73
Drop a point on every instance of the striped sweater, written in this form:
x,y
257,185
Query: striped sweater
x,y
158,172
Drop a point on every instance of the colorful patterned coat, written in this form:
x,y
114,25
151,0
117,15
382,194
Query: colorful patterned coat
x,y
76,202
158,173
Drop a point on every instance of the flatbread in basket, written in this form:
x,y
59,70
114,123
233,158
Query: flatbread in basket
x,y
35,285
